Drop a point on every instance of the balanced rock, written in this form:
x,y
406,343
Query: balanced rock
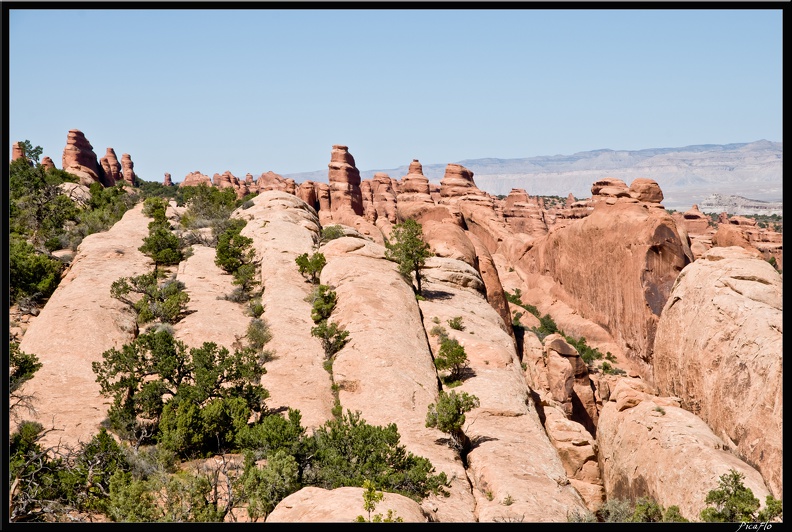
x,y
128,169
167,181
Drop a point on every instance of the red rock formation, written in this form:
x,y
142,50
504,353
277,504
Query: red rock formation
x,y
167,181
414,182
344,179
696,222
79,159
111,167
610,187
523,214
195,178
384,197
646,190
272,181
616,267
307,192
225,180
719,348
367,195
649,447
732,235
458,182
16,152
47,163
127,169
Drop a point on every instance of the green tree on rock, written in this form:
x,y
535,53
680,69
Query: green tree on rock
x,y
407,247
449,415
311,267
733,502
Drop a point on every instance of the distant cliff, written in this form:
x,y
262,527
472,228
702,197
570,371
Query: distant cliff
x,y
718,203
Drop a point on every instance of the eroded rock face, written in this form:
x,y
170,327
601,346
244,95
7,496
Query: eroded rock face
x,y
341,505
111,167
648,447
616,266
79,159
166,182
719,349
67,394
344,179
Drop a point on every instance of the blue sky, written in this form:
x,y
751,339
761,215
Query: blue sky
x,y
258,90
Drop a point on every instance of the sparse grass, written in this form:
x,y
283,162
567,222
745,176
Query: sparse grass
x,y
508,501
660,409
488,495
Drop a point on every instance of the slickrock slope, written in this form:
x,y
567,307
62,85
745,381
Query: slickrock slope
x,y
386,370
512,458
341,505
649,447
616,266
212,319
719,349
282,227
81,321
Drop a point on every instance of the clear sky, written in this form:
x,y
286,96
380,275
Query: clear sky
x,y
257,90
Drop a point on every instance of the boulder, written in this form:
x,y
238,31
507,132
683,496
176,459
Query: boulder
x,y
650,448
719,348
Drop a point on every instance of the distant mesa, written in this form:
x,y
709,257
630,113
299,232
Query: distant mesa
x,y
731,204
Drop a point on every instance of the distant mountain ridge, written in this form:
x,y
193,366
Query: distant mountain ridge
x,y
685,174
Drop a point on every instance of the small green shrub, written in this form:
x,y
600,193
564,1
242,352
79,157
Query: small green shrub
x,y
331,232
452,357
456,323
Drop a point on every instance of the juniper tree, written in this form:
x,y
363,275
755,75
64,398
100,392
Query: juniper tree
x,y
407,247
